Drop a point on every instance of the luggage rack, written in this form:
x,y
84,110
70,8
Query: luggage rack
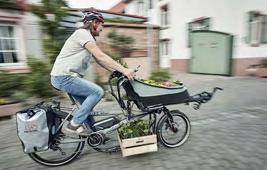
x,y
202,97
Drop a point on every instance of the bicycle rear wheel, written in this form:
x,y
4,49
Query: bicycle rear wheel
x,y
173,134
64,149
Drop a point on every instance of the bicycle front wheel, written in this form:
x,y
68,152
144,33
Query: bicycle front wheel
x,y
173,133
64,150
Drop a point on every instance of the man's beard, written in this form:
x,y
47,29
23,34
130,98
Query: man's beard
x,y
94,33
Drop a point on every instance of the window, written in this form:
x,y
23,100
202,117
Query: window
x,y
257,28
164,16
8,52
165,47
150,6
198,24
140,8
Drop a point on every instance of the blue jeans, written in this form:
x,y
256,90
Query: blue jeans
x,y
88,94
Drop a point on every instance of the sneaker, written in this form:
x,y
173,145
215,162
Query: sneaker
x,y
80,130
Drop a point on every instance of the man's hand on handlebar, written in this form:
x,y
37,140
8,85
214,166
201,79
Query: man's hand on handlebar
x,y
130,73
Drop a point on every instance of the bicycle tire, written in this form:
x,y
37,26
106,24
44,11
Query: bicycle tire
x,y
160,132
53,163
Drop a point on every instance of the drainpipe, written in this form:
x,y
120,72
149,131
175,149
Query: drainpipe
x,y
149,41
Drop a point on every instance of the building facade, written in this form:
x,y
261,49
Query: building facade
x,y
21,37
245,20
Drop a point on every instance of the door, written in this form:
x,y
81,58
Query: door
x,y
211,52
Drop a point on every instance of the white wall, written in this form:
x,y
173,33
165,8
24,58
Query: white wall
x,y
133,8
33,36
226,16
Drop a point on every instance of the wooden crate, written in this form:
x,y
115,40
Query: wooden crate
x,y
138,145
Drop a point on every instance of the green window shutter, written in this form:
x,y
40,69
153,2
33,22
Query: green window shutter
x,y
249,19
264,29
189,34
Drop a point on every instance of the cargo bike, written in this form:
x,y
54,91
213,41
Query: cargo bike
x,y
172,127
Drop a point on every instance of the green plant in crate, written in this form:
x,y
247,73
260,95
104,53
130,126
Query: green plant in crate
x,y
134,129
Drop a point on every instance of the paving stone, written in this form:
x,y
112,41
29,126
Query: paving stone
x,y
230,132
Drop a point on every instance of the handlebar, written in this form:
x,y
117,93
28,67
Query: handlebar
x,y
121,79
203,97
117,74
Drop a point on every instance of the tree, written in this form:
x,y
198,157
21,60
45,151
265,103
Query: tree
x,y
51,13
121,44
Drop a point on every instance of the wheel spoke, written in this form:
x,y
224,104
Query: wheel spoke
x,y
64,150
174,133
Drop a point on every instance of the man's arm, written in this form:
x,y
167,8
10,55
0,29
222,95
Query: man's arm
x,y
107,61
107,68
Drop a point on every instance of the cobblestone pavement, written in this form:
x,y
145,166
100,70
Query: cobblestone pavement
x,y
230,132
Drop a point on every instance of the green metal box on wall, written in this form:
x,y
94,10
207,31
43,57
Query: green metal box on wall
x,y
211,52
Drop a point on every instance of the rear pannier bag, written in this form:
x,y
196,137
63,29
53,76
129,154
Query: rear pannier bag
x,y
34,129
150,95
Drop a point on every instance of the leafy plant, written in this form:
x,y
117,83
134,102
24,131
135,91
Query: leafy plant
x,y
263,63
3,101
121,20
160,75
38,81
11,83
121,44
18,87
51,13
134,129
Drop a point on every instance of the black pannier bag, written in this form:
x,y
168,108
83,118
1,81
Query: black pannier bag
x,y
149,95
35,127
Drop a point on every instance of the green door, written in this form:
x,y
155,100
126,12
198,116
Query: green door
x,y
211,52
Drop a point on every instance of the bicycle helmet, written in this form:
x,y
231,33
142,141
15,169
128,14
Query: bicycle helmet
x,y
92,15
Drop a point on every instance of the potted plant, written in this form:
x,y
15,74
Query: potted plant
x,y
262,70
136,138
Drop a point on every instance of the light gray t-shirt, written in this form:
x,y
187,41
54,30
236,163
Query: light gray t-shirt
x,y
74,58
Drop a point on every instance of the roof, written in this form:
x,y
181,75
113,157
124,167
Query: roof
x,y
75,15
119,7
129,25
107,12
13,4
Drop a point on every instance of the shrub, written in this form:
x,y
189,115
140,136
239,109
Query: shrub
x,y
160,75
11,83
38,81
134,129
18,87
263,63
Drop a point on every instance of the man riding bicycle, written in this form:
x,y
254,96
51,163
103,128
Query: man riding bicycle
x,y
71,65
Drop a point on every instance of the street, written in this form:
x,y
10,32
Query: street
x,y
229,132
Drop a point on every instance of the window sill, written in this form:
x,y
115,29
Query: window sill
x,y
258,44
164,27
14,68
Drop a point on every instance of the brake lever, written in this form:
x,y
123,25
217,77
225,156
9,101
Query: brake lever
x,y
137,68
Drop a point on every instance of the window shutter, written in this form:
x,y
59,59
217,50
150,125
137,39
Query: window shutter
x,y
189,34
264,29
249,19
